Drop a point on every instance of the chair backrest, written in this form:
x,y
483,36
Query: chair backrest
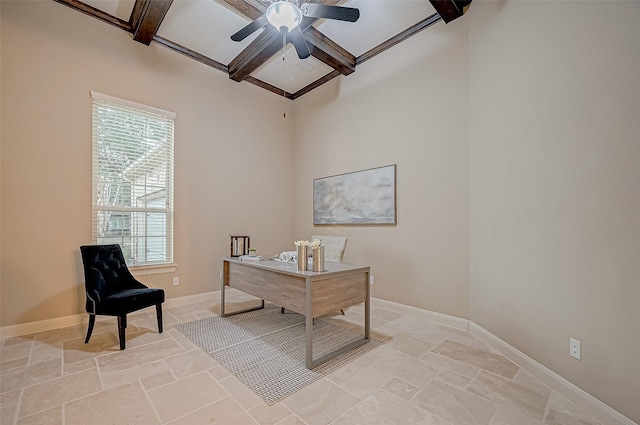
x,y
105,270
333,247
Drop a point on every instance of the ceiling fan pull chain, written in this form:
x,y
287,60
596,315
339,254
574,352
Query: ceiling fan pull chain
x,y
284,76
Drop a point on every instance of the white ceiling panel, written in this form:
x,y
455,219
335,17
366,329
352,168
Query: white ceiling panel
x,y
205,26
118,8
379,21
295,72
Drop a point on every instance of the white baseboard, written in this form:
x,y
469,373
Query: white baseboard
x,y
192,299
20,329
579,397
78,319
29,328
440,318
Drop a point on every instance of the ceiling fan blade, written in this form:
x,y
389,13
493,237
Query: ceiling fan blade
x,y
250,29
315,10
296,37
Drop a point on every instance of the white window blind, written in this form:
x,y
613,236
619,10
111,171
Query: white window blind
x,y
133,179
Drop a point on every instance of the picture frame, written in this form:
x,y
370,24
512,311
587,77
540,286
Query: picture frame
x,y
366,197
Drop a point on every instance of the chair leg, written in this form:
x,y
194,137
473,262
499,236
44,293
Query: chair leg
x,y
122,325
281,310
159,315
92,321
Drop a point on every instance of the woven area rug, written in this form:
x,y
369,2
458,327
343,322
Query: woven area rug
x,y
266,349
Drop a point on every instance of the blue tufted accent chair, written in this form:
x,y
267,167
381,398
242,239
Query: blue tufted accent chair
x,y
112,290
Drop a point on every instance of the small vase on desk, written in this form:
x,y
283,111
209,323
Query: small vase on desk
x,y
302,258
318,258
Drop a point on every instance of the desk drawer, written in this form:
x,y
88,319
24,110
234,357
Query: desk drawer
x,y
339,292
277,288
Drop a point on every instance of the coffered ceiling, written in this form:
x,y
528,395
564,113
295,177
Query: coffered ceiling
x,y
201,30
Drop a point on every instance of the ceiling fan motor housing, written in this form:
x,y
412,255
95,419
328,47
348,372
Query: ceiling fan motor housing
x,y
284,14
286,17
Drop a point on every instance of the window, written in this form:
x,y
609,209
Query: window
x,y
133,179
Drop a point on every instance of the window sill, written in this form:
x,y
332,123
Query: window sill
x,y
153,269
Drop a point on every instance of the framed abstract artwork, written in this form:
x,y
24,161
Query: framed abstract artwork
x,y
360,197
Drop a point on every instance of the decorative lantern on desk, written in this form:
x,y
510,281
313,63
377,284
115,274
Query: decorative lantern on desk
x,y
239,245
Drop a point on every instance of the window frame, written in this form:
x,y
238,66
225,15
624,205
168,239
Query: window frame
x,y
138,110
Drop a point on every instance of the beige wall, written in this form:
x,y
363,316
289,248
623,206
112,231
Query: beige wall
x,y
555,187
408,107
225,170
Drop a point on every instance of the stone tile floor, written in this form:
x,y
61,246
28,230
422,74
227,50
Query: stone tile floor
x,y
423,373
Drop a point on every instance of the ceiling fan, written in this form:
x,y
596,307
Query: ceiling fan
x,y
286,16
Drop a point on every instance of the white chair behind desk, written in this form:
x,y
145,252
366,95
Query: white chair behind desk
x,y
333,247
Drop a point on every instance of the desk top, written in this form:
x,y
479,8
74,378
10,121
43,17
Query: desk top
x,y
331,268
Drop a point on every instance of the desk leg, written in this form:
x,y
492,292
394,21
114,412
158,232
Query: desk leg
x,y
225,277
367,320
222,298
310,362
367,310
246,310
309,322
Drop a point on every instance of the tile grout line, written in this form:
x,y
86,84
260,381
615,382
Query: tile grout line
x,y
18,406
547,406
153,406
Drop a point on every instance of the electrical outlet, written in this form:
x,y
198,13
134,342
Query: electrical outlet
x,y
370,279
574,349
176,280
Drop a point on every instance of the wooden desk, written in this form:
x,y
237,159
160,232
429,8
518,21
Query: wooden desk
x,y
309,293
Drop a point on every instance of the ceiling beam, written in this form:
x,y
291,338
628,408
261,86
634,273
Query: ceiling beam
x,y
425,23
450,9
96,13
146,17
260,50
268,43
269,87
191,54
330,76
330,52
245,9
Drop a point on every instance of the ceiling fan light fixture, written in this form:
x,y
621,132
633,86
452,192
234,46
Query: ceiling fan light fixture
x,y
284,14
